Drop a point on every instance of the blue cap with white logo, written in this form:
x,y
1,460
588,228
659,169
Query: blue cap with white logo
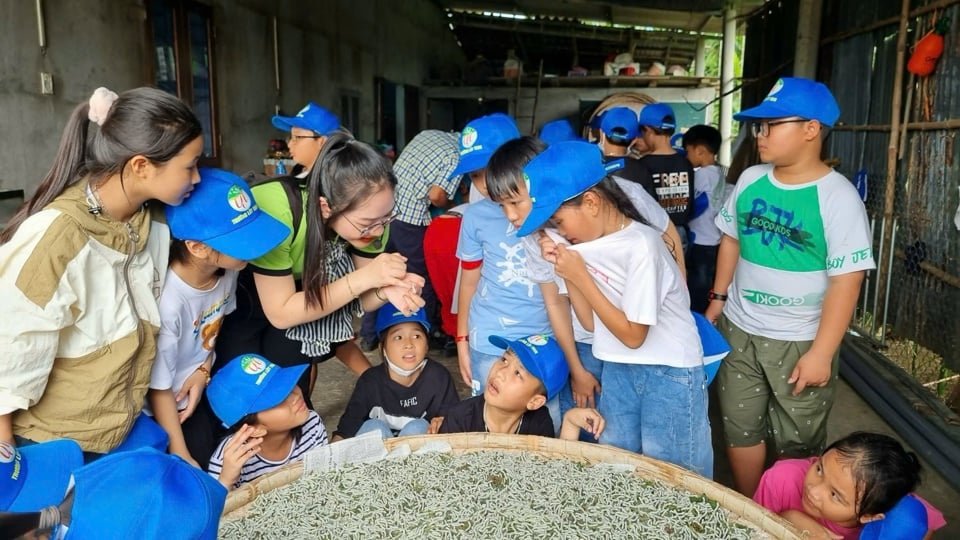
x,y
249,384
222,213
389,315
795,96
481,138
658,116
37,475
312,117
542,357
560,173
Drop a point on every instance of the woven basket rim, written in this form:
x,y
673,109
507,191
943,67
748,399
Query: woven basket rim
x,y
739,506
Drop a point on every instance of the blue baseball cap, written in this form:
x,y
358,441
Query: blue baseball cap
x,y
715,347
37,475
145,433
481,138
795,96
541,356
249,384
907,520
658,116
312,117
222,213
620,124
389,315
561,172
145,494
558,131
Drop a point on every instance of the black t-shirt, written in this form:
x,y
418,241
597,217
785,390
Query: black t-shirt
x,y
671,176
467,417
376,395
633,171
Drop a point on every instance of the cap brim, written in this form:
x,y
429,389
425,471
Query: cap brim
x,y
145,433
474,161
278,388
255,238
537,217
286,123
763,111
49,466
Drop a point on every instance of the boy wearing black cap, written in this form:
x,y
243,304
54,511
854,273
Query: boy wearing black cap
x,y
531,371
796,243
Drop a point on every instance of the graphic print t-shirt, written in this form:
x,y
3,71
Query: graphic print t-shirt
x,y
507,302
672,178
793,238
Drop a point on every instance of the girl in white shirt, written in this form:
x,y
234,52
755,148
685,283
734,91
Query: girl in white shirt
x,y
626,287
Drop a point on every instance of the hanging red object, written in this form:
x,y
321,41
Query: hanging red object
x,y
928,50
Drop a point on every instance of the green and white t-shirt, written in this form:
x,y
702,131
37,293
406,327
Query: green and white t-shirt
x,y
793,238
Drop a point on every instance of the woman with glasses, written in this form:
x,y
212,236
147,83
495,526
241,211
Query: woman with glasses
x,y
295,305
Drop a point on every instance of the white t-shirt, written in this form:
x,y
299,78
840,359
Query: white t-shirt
x,y
542,271
793,238
635,271
707,183
190,320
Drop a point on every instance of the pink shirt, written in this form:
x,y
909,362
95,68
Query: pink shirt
x,y
781,489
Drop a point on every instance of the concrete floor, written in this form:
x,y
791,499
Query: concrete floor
x,y
850,413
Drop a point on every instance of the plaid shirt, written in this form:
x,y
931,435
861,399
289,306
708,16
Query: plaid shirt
x,y
426,161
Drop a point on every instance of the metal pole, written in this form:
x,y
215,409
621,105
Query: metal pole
x,y
876,291
886,296
41,26
726,82
276,55
866,281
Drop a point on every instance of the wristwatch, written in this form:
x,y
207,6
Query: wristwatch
x,y
714,296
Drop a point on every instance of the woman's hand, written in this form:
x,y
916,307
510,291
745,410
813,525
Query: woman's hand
x,y
406,295
385,270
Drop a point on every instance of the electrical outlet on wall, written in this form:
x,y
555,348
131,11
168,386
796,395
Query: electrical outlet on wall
x,y
46,83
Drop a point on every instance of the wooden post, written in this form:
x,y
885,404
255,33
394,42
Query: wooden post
x,y
892,150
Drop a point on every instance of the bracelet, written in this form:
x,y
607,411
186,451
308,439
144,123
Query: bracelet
x,y
378,295
461,339
203,369
349,288
714,296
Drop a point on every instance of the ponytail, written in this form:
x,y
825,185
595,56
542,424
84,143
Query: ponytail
x,y
142,121
346,173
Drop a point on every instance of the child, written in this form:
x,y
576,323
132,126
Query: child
x,y
670,174
618,129
298,301
795,245
701,144
530,372
558,130
496,296
400,396
627,289
269,420
855,481
81,268
443,267
216,231
141,494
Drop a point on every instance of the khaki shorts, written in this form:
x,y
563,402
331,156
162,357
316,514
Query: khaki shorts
x,y
756,400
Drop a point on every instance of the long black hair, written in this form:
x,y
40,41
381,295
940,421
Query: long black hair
x,y
608,190
346,173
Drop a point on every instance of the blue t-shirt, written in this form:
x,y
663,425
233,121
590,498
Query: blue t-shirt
x,y
507,302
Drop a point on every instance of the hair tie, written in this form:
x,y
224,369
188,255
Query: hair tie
x,y
49,517
100,103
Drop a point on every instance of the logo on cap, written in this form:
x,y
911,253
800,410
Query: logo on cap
x,y
7,452
238,199
303,111
773,91
539,340
469,137
252,365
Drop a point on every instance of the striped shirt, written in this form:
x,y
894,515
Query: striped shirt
x,y
313,434
315,337
426,161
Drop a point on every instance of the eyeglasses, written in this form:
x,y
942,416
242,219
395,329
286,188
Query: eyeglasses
x,y
763,127
294,138
364,232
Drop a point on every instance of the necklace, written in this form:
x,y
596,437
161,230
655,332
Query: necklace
x,y
623,222
487,428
